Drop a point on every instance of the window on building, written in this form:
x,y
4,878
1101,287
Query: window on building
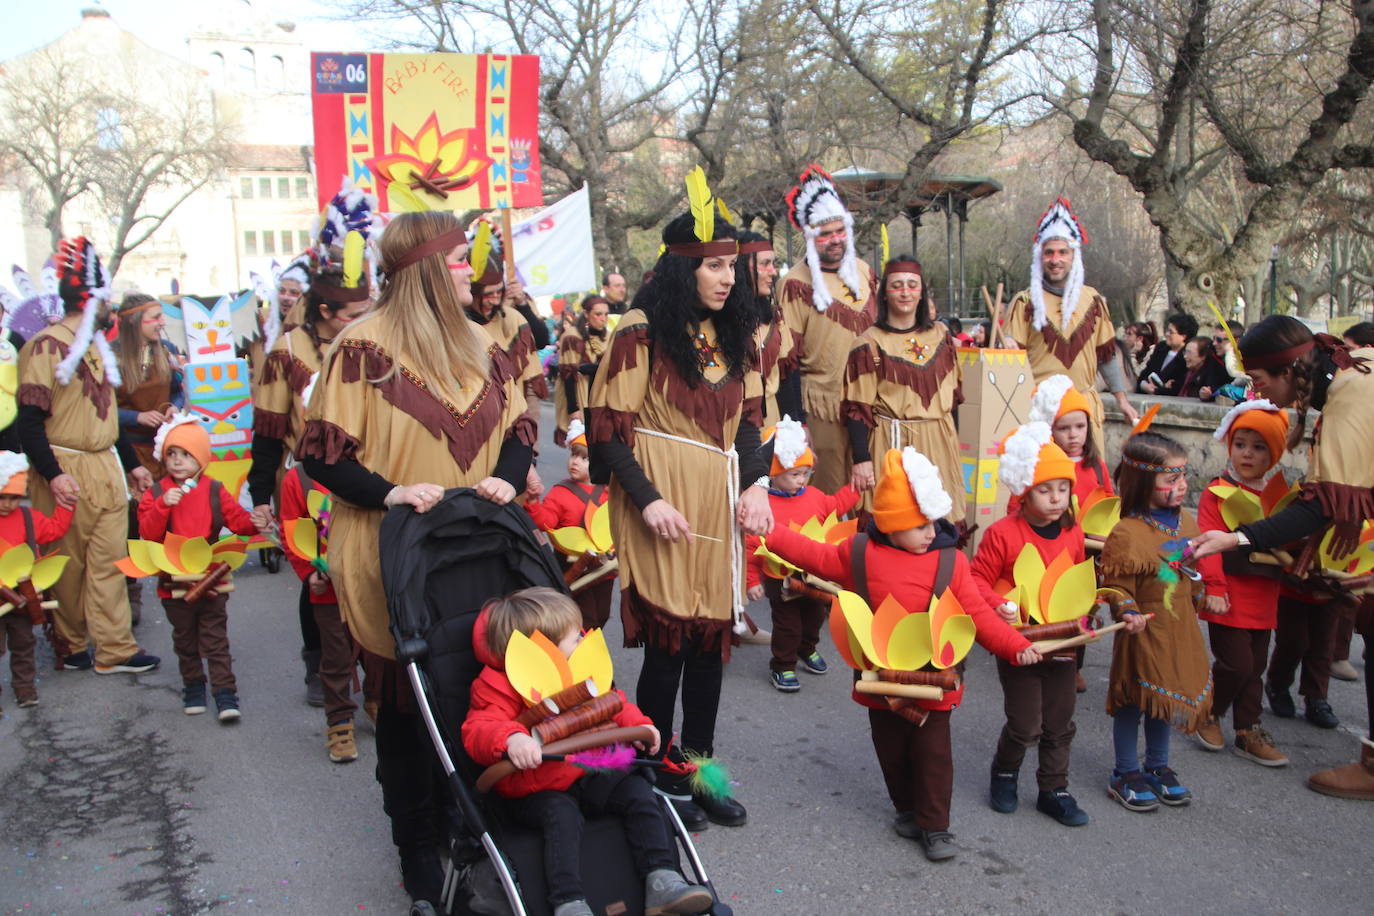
x,y
287,236
302,240
276,72
246,188
283,188
217,69
264,187
248,68
108,134
269,242
302,187
250,243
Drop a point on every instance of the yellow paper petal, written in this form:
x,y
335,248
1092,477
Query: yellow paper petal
x,y
530,670
813,529
1028,570
850,651
555,654
1364,560
47,571
314,501
571,540
600,530
1241,507
139,556
859,619
1058,566
1222,490
1075,593
234,559
908,648
776,562
171,546
301,538
592,659
890,612
159,558
196,555
15,564
1102,517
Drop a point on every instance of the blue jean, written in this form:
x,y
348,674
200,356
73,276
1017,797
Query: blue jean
x,y
1125,729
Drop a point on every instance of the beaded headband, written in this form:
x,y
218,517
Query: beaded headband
x,y
1152,468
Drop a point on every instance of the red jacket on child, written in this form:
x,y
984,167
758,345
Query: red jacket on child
x,y
294,506
491,722
45,529
565,504
191,517
1254,600
1001,545
908,577
800,507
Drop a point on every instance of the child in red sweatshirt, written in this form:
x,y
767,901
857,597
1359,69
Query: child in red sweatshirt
x,y
902,554
336,646
23,525
797,614
554,796
190,503
1038,699
565,506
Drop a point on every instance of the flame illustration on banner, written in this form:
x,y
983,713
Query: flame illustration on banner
x,y
308,538
1062,591
537,669
829,530
897,640
432,162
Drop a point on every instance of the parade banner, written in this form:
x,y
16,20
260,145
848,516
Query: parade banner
x,y
428,131
553,248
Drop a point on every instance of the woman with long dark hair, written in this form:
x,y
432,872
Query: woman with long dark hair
x,y
1293,368
413,399
674,428
901,385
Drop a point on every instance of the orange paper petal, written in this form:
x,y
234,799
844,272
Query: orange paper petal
x,y
1146,420
850,651
556,656
1058,566
889,614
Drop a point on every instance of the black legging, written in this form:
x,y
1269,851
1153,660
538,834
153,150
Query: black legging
x,y
310,631
699,672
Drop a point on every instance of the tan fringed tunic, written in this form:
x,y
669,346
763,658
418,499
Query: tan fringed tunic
x,y
680,437
512,334
1075,351
777,354
904,386
403,430
1163,669
278,410
573,351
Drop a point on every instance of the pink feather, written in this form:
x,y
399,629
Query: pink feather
x,y
611,757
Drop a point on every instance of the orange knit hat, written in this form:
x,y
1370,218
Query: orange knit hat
x,y
909,493
577,433
14,471
1265,418
1055,397
185,431
789,447
1030,457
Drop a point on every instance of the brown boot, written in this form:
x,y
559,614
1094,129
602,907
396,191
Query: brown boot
x,y
1257,745
1210,735
1354,780
340,741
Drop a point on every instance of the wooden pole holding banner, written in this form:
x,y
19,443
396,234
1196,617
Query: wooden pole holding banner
x,y
507,249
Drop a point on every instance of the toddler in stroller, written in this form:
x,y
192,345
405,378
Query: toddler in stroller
x,y
439,569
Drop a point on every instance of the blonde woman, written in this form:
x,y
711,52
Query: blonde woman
x,y
413,399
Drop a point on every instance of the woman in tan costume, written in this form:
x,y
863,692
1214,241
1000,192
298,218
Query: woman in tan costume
x,y
413,399
579,354
674,429
777,348
902,385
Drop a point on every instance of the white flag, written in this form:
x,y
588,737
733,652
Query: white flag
x,y
553,248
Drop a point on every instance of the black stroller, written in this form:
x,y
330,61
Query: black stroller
x,y
438,569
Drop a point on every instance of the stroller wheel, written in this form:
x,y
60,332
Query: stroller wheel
x,y
422,908
271,559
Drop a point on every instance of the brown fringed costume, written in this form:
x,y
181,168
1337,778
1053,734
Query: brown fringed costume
x,y
904,386
777,357
278,410
402,430
574,351
1163,669
822,340
512,334
680,436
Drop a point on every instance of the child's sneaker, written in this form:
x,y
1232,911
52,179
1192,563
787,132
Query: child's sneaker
x,y
785,681
814,664
78,661
1280,701
1132,791
1061,806
1165,783
1002,791
137,663
343,747
193,699
573,908
227,703
938,845
1210,735
27,700
1255,744
665,891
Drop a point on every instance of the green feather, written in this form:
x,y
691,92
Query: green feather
x,y
710,777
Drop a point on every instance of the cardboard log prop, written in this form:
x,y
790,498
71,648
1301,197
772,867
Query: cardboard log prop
x,y
945,680
1048,647
578,719
1060,630
567,698
605,569
869,683
503,768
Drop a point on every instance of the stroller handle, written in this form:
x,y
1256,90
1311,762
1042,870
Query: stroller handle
x,y
573,743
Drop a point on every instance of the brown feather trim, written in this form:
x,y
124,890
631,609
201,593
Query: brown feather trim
x,y
923,378
537,388
1106,352
39,396
524,430
327,442
281,364
772,346
605,424
521,346
1132,549
645,623
98,390
1340,354
794,358
624,350
853,410
271,424
710,406
752,411
862,361
1066,351
1341,502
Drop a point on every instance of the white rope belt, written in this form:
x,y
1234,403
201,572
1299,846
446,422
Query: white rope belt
x,y
732,500
120,479
895,428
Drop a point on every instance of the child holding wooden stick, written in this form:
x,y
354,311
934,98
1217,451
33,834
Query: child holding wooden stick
x,y
1159,673
1038,699
554,796
909,552
190,503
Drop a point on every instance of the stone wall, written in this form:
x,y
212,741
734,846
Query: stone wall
x,y
1191,422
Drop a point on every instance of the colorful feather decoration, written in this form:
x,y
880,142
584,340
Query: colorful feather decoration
x,y
1168,574
725,213
481,249
709,776
353,249
887,246
699,200
612,757
1226,329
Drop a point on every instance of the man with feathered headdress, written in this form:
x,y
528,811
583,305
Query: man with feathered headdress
x,y
1063,324
69,428
827,300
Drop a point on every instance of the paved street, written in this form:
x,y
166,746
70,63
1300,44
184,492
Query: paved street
x,y
116,803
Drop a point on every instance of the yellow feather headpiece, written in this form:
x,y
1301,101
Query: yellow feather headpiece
x,y
701,203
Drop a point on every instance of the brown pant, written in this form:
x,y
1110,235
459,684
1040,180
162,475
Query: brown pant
x,y
1306,635
337,664
1238,672
17,629
796,626
1038,701
594,602
917,763
200,631
830,443
1345,631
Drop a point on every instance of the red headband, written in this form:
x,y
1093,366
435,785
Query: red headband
x,y
330,294
721,248
444,242
902,267
755,247
1279,359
